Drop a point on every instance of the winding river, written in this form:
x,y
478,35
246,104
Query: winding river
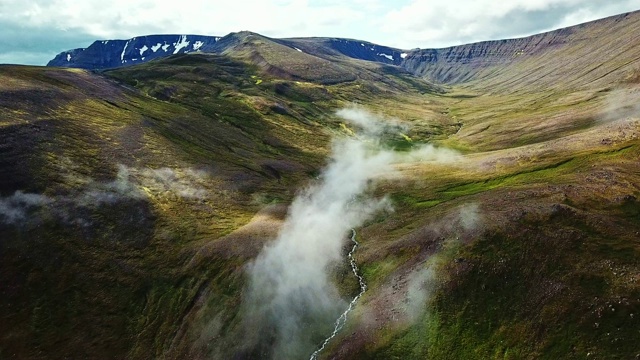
x,y
343,317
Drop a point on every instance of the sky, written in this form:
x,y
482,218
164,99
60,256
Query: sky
x,y
34,31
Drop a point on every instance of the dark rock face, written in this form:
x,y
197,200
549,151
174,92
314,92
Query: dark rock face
x,y
368,51
105,54
356,49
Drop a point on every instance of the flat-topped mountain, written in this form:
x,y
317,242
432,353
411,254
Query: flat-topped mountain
x,y
106,54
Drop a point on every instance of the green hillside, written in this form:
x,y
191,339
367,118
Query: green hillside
x,y
132,200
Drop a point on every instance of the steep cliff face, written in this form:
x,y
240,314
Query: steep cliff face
x,y
460,63
106,54
555,58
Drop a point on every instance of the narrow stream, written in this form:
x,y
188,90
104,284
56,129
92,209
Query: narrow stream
x,y
343,317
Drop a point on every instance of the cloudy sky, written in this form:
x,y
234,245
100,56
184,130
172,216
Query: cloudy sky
x,y
34,31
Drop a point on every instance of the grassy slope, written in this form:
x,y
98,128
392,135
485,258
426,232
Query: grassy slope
x,y
555,180
551,271
97,278
117,284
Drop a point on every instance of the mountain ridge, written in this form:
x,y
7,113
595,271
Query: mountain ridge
x,y
106,54
448,65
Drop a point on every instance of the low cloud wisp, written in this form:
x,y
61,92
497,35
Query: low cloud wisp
x,y
129,184
290,303
463,223
14,208
622,104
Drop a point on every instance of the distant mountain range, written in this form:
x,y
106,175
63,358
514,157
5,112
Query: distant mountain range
x,y
454,64
106,54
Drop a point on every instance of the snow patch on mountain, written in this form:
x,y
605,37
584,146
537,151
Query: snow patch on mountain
x,y
197,45
155,47
385,55
123,50
165,47
68,57
182,43
403,55
143,49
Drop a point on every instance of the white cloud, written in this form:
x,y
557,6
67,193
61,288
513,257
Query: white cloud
x,y
124,18
129,184
289,290
15,208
